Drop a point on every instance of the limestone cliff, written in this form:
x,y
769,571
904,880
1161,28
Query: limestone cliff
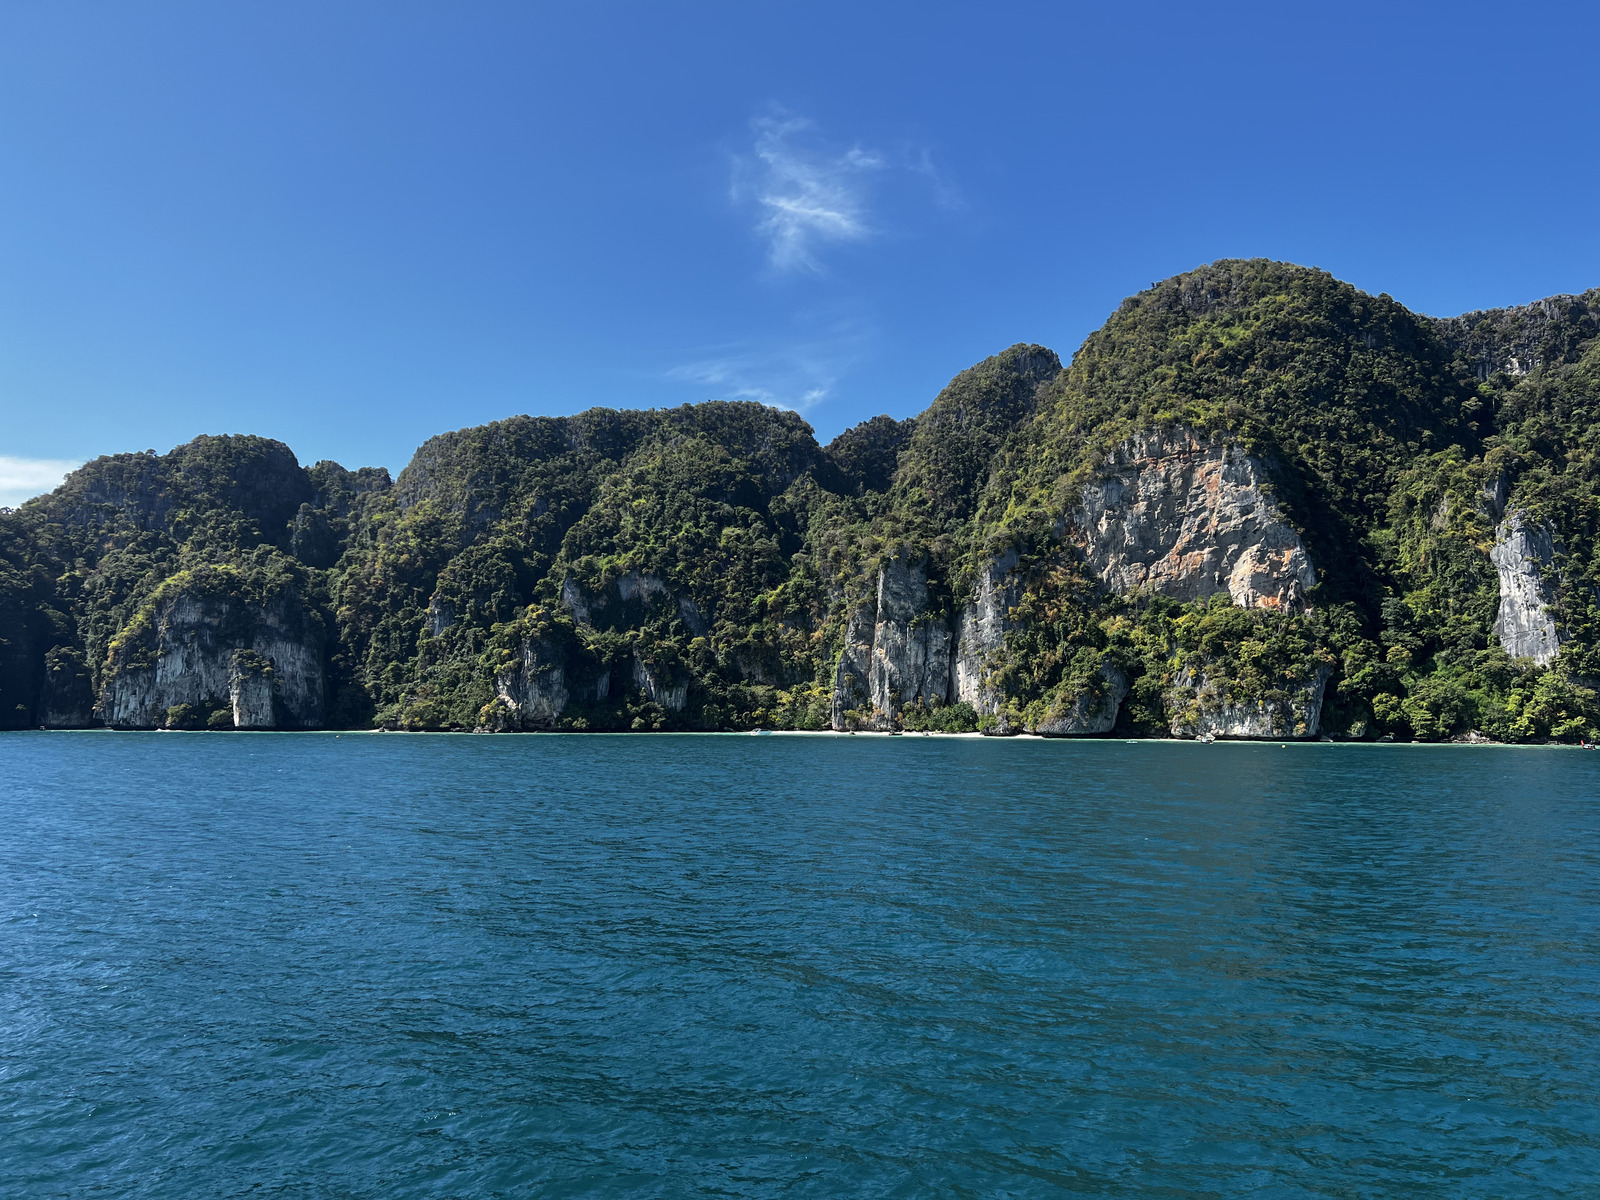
x,y
627,596
1093,710
1199,706
536,689
250,690
203,642
659,686
852,693
1522,339
1522,550
532,693
1187,517
1123,543
981,635
67,698
896,654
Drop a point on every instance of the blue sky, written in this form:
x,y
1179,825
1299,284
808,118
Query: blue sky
x,y
354,225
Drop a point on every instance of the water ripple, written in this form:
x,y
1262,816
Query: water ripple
x,y
305,965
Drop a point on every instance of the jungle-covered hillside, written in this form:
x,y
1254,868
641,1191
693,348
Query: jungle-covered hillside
x,y
1257,499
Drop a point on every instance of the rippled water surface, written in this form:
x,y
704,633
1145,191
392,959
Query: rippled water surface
x,y
390,966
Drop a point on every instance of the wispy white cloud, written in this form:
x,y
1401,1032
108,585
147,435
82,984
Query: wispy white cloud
x,y
23,478
797,375
806,193
920,162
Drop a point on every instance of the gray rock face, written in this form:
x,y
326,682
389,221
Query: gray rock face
x,y
186,655
576,601
1172,513
638,586
670,696
896,652
440,616
536,691
1524,625
910,647
1492,496
980,650
1522,339
66,700
694,620
250,690
1090,713
1200,707
635,589
981,635
1187,518
533,692
851,693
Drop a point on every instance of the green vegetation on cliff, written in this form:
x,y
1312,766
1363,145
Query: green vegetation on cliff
x,y
704,566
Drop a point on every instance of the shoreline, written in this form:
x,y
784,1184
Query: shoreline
x,y
820,733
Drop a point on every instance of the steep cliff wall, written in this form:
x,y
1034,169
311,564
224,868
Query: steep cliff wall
x,y
896,652
67,698
910,661
981,635
1094,710
1198,706
547,675
1521,550
251,678
627,598
1188,518
852,692
1520,340
659,686
532,693
184,649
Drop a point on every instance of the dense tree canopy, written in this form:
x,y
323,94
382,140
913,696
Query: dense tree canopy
x,y
720,548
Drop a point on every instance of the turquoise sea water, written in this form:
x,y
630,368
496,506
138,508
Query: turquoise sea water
x,y
432,966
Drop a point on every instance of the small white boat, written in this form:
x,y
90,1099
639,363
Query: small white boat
x,y
1205,739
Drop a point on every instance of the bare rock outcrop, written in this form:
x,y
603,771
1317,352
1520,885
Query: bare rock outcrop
x,y
441,616
532,692
250,678
896,652
852,696
1187,517
980,651
202,642
1522,550
981,636
1200,706
1522,339
536,689
1093,711
66,700
626,596
658,687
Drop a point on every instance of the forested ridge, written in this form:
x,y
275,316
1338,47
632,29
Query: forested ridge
x,y
711,566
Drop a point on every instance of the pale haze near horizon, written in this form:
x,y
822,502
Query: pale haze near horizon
x,y
354,229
